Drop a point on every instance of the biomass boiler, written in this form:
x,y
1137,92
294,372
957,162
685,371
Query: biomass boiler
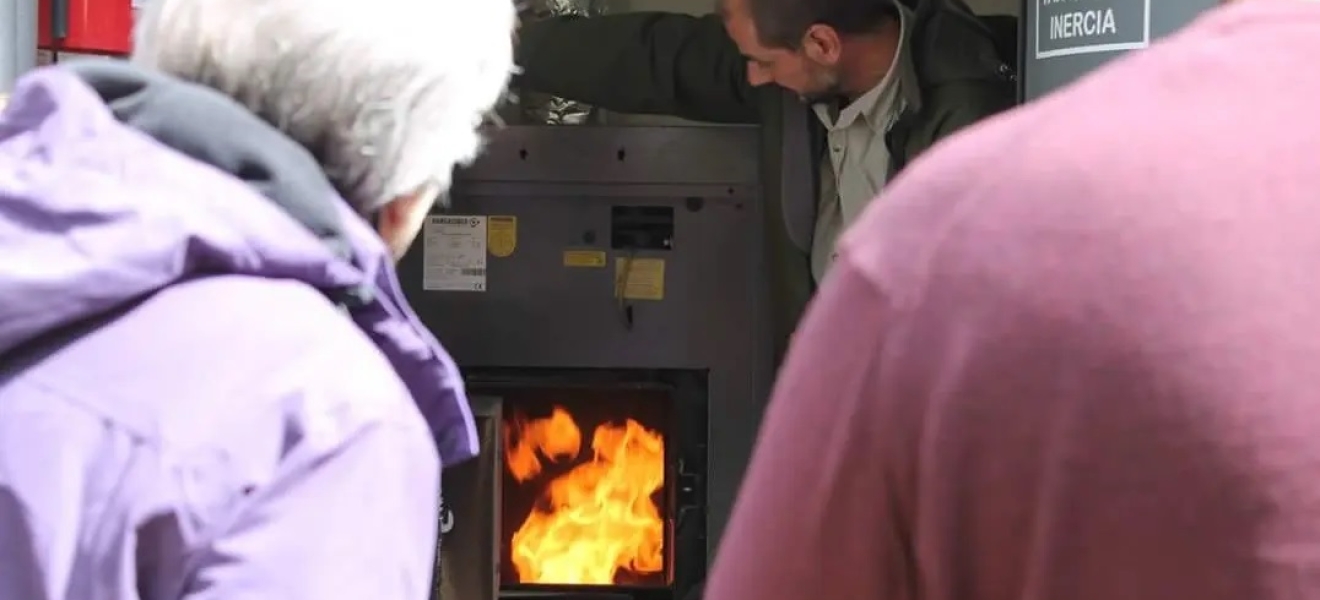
x,y
602,290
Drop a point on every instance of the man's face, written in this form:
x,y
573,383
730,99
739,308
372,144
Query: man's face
x,y
791,69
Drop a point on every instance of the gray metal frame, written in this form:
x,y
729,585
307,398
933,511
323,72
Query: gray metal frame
x,y
477,533
1040,76
561,183
18,40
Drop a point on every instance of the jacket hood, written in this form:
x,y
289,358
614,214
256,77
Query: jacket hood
x,y
116,182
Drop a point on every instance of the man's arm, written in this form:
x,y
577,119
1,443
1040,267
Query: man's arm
x,y
818,516
650,63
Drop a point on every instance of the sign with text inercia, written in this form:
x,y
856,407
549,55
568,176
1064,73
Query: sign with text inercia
x,y
1069,27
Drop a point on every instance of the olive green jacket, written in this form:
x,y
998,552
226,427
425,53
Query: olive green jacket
x,y
673,64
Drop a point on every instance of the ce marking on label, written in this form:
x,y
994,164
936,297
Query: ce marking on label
x,y
480,287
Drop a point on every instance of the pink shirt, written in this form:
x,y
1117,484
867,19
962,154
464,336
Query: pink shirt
x,y
1072,354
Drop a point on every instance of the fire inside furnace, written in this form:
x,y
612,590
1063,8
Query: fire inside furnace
x,y
596,519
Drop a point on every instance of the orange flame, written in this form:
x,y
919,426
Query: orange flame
x,y
596,520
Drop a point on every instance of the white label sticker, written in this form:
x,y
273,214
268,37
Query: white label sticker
x,y
454,254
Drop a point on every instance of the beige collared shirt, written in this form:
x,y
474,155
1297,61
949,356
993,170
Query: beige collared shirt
x,y
857,161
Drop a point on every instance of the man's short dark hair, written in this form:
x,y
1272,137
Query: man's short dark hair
x,y
783,23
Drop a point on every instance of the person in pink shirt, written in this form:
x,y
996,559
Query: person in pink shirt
x,y
1071,354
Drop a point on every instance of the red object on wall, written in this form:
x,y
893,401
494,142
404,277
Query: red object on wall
x,y
85,26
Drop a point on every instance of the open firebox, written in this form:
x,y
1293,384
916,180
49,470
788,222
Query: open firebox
x,y
602,291
589,485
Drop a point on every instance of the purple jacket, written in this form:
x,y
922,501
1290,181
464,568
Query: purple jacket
x,y
210,384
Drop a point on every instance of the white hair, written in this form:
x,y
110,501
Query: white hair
x,y
387,94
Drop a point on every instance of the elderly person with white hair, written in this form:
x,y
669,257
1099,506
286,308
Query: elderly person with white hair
x,y
210,385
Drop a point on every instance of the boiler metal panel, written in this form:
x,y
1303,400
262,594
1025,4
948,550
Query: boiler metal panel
x,y
563,184
1049,64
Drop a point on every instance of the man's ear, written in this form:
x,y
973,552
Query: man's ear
x,y
822,44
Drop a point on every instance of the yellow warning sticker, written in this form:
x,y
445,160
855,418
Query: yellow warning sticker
x,y
501,235
639,278
584,258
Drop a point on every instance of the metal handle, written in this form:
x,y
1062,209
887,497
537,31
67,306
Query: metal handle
x,y
59,20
